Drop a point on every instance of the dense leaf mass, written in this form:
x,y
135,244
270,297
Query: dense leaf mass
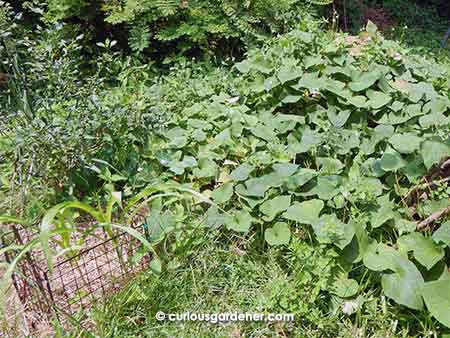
x,y
314,144
327,132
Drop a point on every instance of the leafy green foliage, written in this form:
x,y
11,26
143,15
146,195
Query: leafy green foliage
x,y
420,25
74,124
405,283
61,117
224,276
306,212
313,143
213,26
344,138
279,234
436,296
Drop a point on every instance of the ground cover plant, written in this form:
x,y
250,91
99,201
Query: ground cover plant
x,y
310,176
331,136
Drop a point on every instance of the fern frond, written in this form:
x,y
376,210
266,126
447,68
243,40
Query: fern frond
x,y
320,2
242,23
139,38
167,7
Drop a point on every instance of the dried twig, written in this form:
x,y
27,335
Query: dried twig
x,y
439,176
434,217
428,186
445,165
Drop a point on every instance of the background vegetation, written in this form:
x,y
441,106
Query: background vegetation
x,y
307,144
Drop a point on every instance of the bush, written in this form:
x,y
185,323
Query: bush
x,y
166,26
73,121
62,112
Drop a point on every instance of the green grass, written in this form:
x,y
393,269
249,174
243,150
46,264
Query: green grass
x,y
235,276
218,279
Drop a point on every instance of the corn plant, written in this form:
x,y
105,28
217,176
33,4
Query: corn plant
x,y
57,225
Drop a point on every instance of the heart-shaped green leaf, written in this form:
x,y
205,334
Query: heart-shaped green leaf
x,y
433,152
425,250
392,161
401,280
306,212
241,172
240,221
442,235
223,193
365,81
273,207
377,99
405,143
279,234
338,118
436,295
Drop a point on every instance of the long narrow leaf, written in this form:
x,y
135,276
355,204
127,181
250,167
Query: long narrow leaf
x,y
134,233
49,217
133,213
6,279
13,220
144,194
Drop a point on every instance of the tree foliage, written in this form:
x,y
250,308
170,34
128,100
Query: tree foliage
x,y
189,24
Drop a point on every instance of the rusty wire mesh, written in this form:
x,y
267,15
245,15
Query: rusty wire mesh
x,y
77,281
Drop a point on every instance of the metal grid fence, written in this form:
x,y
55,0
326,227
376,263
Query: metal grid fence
x,y
76,282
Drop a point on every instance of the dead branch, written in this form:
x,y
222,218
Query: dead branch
x,y
434,217
440,175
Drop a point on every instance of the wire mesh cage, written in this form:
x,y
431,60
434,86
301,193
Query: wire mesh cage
x,y
77,280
